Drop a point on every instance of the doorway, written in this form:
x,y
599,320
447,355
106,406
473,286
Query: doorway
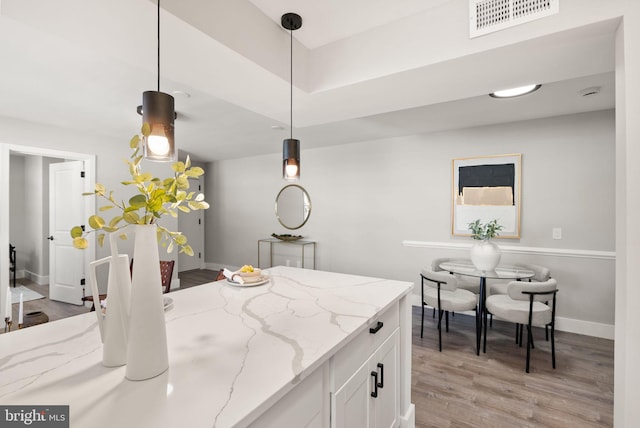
x,y
52,156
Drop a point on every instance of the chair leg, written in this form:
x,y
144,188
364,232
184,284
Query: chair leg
x,y
553,347
433,314
521,328
546,332
446,315
422,322
517,331
440,330
528,345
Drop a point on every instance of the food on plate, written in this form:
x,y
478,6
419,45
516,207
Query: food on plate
x,y
249,271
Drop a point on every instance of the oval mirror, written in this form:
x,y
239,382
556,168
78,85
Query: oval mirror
x,y
293,206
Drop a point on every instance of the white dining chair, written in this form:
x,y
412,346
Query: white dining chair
x,y
440,291
524,304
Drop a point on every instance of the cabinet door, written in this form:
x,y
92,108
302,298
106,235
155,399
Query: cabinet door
x,y
385,363
352,401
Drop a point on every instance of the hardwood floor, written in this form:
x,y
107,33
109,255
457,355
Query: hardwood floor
x,y
54,310
456,388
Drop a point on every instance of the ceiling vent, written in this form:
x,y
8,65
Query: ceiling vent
x,y
487,16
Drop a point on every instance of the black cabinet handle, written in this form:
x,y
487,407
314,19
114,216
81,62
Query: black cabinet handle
x,y
374,393
381,367
374,330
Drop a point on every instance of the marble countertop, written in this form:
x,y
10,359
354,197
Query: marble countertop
x,y
233,352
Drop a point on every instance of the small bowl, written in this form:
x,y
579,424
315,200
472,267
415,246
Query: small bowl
x,y
256,272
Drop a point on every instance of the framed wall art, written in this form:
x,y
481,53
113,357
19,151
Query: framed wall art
x,y
487,188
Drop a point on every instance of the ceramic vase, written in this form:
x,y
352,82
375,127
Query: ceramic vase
x,y
113,324
147,354
485,255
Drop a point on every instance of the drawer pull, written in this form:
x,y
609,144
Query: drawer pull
x,y
374,393
381,367
374,330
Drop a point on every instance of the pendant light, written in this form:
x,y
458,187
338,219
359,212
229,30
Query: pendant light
x,y
158,111
291,146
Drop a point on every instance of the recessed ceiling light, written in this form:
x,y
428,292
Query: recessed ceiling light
x,y
515,92
277,127
181,94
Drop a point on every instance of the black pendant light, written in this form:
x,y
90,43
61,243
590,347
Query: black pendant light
x,y
291,146
158,111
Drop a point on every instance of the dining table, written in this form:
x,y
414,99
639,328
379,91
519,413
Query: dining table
x,y
506,272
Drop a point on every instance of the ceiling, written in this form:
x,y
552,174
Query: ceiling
x,y
363,69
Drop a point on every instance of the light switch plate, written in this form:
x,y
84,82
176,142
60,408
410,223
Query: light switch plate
x,y
556,233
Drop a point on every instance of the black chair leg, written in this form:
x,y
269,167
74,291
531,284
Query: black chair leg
x,y
446,315
422,322
553,347
521,328
491,320
528,345
517,332
440,330
546,332
433,314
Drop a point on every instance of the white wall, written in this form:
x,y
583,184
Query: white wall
x,y
369,197
17,236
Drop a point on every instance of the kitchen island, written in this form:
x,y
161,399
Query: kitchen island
x,y
309,348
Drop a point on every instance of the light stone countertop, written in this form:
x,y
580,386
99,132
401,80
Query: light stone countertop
x,y
233,352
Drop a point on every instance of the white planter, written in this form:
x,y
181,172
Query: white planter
x,y
147,354
485,255
114,324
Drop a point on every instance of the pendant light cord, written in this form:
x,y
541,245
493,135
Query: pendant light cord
x,y
291,87
158,45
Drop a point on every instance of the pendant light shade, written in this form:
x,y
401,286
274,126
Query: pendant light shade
x,y
291,146
291,159
158,111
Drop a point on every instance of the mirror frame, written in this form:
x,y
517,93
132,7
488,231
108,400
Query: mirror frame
x,y
305,194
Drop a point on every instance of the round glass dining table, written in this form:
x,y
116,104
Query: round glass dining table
x,y
466,268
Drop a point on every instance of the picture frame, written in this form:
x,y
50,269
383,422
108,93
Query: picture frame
x,y
487,188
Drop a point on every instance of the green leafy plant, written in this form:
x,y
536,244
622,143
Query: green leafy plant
x,y
484,231
156,198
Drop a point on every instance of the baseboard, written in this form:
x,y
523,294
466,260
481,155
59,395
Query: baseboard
x,y
38,279
217,266
570,325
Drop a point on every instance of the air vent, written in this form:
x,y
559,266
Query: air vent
x,y
487,16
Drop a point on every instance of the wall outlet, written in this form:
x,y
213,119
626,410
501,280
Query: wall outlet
x,y
556,232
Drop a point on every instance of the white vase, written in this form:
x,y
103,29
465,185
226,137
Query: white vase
x,y
485,255
113,324
147,354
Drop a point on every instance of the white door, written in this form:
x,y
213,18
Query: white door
x,y
192,226
353,399
387,403
66,210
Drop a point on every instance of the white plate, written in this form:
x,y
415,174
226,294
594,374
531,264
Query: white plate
x,y
168,303
264,280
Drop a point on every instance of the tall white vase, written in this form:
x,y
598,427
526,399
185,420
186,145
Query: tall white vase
x,y
147,354
114,323
485,255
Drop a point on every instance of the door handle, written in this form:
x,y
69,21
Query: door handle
x,y
374,330
374,393
50,238
381,367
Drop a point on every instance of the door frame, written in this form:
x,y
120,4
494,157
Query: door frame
x,y
89,204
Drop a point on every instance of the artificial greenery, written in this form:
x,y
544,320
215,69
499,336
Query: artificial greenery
x,y
484,231
157,197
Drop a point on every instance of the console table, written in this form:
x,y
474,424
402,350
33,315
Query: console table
x,y
300,243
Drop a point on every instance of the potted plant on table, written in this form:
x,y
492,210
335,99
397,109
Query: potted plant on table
x,y
485,255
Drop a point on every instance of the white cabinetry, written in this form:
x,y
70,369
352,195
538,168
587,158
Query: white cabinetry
x,y
369,399
366,377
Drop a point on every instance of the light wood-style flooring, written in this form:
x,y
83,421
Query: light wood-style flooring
x,y
456,388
